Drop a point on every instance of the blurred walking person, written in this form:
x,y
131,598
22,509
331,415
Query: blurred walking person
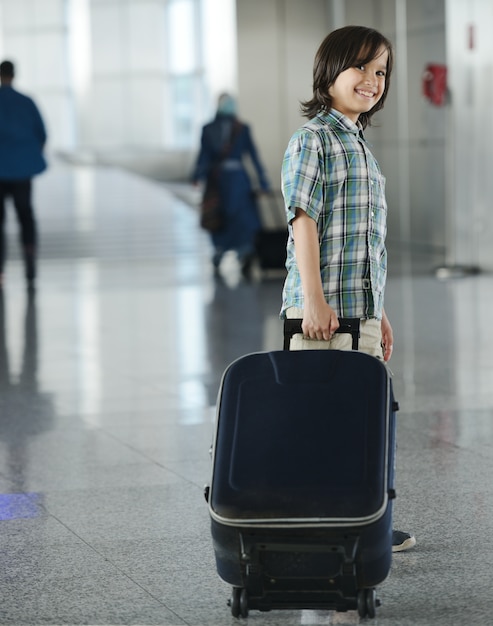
x,y
224,144
22,139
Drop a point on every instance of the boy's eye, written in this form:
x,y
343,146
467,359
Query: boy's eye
x,y
382,73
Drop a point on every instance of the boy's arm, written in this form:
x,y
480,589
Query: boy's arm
x,y
319,319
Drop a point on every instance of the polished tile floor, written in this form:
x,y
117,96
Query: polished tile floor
x,y
108,380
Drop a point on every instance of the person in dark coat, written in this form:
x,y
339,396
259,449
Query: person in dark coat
x,y
225,142
22,139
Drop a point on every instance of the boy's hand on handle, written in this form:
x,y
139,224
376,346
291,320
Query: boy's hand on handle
x,y
387,338
319,322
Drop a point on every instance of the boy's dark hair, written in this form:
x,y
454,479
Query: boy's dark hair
x,y
343,48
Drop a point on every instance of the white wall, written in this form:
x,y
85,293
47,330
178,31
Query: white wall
x,y
470,180
409,134
277,41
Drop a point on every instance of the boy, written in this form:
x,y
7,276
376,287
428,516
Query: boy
x,y
334,195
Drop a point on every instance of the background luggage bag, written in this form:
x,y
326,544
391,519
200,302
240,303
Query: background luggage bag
x,y
270,242
302,480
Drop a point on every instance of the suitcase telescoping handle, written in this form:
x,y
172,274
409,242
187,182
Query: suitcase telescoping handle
x,y
346,325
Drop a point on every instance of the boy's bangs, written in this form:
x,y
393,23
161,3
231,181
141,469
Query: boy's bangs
x,y
368,52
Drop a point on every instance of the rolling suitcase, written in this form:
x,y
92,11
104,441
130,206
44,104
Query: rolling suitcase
x,y
300,498
271,239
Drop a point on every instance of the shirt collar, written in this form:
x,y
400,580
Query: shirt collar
x,y
339,121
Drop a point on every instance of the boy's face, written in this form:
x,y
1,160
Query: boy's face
x,y
358,89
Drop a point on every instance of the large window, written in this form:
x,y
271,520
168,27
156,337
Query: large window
x,y
123,72
201,63
185,72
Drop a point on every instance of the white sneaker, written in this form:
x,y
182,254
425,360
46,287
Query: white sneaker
x,y
402,541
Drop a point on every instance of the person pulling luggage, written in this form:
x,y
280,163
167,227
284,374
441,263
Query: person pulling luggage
x,y
334,195
225,142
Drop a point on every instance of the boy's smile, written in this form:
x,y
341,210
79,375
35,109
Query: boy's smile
x,y
365,94
358,89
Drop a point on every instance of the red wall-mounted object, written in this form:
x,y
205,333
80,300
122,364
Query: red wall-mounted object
x,y
435,83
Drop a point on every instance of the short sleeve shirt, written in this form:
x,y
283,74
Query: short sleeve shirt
x,y
330,173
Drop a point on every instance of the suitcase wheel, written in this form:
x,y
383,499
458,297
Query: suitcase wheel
x,y
239,602
234,602
367,602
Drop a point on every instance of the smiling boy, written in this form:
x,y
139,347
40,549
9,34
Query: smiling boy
x,y
334,196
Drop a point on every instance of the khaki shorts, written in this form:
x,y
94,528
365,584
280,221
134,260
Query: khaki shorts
x,y
370,338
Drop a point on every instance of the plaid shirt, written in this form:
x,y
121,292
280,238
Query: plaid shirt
x,y
329,172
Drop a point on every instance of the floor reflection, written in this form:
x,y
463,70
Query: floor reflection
x,y
25,411
235,321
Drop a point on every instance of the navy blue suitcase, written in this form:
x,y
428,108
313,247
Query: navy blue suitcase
x,y
301,491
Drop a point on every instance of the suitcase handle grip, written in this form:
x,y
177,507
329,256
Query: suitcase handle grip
x,y
351,325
